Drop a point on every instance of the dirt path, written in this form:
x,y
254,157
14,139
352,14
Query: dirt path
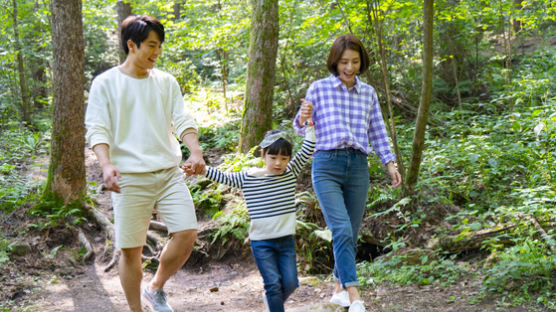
x,y
234,286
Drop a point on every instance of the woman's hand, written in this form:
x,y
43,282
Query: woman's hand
x,y
394,174
306,112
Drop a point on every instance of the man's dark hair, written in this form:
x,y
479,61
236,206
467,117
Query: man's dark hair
x,y
279,147
137,28
342,43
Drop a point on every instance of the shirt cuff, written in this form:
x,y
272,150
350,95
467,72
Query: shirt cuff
x,y
186,132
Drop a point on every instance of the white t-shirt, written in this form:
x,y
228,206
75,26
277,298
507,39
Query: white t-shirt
x,y
138,119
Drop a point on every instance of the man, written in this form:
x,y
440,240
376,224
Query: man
x,y
133,112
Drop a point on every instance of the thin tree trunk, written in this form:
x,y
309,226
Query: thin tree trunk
x,y
123,8
507,35
66,174
221,55
263,47
456,81
223,59
426,93
177,9
374,16
25,99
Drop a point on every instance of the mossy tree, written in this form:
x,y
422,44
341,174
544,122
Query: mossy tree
x,y
66,174
263,47
424,105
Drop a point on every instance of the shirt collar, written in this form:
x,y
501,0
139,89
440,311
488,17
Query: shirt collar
x,y
337,83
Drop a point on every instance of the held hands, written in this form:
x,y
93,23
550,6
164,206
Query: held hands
x,y
111,176
195,164
394,174
306,113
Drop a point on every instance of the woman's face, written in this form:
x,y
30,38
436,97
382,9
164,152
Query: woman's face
x,y
348,66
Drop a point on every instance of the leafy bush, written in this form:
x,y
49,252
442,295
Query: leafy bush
x,y
314,246
523,272
207,196
18,145
234,225
443,271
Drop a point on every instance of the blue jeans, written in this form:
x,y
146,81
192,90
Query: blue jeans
x,y
341,183
275,259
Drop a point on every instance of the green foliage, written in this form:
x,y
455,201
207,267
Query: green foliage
x,y
313,244
5,249
234,225
207,196
523,272
18,146
392,269
56,212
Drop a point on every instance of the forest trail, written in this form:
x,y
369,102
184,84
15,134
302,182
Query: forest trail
x,y
233,285
210,288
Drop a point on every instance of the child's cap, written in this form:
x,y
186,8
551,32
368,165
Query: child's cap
x,y
273,137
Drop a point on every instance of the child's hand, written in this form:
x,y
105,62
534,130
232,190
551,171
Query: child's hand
x,y
306,113
187,168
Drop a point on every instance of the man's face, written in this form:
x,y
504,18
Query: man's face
x,y
145,56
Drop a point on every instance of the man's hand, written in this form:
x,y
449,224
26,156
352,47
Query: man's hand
x,y
195,164
111,176
306,112
110,173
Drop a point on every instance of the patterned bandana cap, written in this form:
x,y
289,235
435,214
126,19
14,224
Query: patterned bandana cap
x,y
268,140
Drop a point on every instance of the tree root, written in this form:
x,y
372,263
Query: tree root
x,y
154,242
114,261
158,226
85,242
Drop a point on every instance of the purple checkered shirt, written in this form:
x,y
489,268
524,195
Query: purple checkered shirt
x,y
347,118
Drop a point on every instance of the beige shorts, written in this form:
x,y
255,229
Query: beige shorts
x,y
140,192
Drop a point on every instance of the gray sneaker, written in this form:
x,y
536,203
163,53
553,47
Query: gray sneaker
x,y
157,300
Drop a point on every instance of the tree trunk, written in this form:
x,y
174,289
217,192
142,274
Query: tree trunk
x,y
66,174
263,46
123,8
426,92
25,106
222,56
177,9
223,59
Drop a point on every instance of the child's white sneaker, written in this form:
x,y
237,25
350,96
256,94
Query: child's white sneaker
x,y
340,298
357,306
266,303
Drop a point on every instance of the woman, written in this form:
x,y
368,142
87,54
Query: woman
x,y
347,117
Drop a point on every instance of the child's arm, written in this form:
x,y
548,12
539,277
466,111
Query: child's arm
x,y
233,179
302,157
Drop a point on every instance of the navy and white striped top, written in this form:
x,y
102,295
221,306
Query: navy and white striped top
x,y
270,198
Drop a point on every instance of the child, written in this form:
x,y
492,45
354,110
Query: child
x,y
270,197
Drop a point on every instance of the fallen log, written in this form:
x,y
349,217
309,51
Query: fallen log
x,y
467,241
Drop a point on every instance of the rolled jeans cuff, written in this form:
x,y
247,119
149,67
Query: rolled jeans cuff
x,y
352,284
348,284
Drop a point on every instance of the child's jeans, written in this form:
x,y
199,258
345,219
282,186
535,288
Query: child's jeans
x,y
275,259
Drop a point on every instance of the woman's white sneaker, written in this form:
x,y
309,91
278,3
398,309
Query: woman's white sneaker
x,y
340,298
357,306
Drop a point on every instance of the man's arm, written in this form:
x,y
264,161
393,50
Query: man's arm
x,y
110,173
195,164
